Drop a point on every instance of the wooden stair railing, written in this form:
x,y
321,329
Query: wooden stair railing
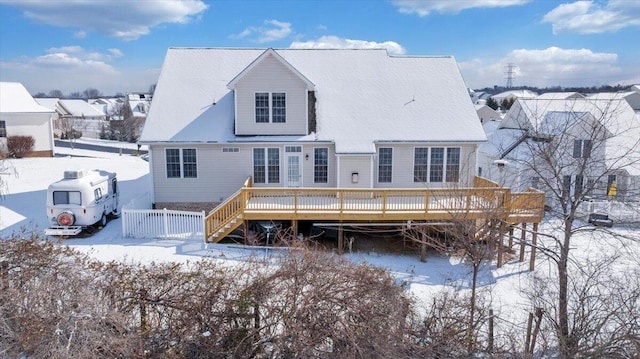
x,y
227,216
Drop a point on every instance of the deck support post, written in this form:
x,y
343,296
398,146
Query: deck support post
x,y
294,229
534,240
340,239
246,232
523,237
423,247
510,237
500,241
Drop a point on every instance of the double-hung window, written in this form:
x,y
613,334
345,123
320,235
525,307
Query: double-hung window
x,y
266,165
436,164
421,164
181,163
453,165
581,148
321,165
262,107
271,107
385,164
436,170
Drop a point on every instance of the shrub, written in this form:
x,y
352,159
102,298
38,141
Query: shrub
x,y
19,146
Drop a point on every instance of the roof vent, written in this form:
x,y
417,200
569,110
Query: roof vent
x,y
75,174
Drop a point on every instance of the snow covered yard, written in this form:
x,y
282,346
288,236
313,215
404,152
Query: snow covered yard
x,y
22,210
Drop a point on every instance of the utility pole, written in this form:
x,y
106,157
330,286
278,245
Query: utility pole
x,y
509,73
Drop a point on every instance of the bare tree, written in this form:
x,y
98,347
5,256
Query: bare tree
x,y
571,151
468,236
91,93
56,94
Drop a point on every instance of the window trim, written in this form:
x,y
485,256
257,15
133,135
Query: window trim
x,y
433,171
388,167
265,167
181,163
320,170
271,108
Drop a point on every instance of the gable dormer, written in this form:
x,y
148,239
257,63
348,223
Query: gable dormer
x,y
271,97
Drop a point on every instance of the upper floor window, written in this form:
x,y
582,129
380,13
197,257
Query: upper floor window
x,y
266,165
385,164
181,163
321,165
262,107
436,164
278,107
581,148
271,107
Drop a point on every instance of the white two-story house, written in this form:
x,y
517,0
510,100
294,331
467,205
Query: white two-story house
x,y
306,118
590,144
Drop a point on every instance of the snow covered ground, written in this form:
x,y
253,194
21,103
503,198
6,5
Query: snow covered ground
x,y
22,211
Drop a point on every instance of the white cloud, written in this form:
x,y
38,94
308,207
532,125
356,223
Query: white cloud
x,y
76,69
425,7
589,17
273,30
548,67
123,19
334,42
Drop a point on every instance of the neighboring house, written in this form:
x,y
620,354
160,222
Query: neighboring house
x,y
560,95
110,107
486,113
606,130
478,97
513,95
139,102
21,115
81,116
307,118
631,97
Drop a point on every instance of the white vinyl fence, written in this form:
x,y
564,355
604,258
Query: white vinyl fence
x,y
139,222
619,212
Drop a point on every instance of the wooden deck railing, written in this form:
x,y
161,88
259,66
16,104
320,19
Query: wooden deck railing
x,y
487,199
226,211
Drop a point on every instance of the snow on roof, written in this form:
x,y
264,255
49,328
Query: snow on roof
x,y
79,108
559,95
363,97
515,94
616,115
14,98
49,103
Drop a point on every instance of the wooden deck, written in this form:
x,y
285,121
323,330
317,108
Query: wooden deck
x,y
485,200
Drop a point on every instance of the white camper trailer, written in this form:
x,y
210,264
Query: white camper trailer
x,y
80,200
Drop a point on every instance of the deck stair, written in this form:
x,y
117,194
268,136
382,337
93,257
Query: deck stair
x,y
225,218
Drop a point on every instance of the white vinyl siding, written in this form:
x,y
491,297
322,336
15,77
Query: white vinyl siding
x,y
220,174
288,110
404,166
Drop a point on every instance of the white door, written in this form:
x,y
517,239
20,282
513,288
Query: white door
x,y
294,170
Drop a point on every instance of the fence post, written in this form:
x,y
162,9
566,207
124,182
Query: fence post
x,y
204,227
166,223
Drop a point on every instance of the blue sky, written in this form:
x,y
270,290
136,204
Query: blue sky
x,y
119,45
